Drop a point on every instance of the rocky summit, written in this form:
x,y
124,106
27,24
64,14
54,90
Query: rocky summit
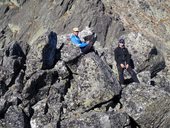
x,y
46,82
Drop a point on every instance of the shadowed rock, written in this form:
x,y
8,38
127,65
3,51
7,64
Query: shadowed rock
x,y
3,88
154,63
42,54
13,62
4,105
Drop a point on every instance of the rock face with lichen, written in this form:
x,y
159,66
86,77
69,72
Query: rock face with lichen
x,y
46,82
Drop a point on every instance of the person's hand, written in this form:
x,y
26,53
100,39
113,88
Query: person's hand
x,y
122,65
127,66
88,42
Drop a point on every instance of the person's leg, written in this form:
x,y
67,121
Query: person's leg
x,y
133,74
121,75
88,48
91,38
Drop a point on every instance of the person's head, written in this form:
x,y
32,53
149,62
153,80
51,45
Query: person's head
x,y
121,43
76,31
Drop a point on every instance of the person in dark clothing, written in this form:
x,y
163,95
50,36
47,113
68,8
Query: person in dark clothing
x,y
122,58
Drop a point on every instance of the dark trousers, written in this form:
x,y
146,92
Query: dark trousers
x,y
88,48
91,39
121,74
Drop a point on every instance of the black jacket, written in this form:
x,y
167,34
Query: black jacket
x,y
122,56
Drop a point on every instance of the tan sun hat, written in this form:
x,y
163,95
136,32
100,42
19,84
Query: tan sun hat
x,y
76,29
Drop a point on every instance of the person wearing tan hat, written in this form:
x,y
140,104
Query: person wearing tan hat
x,y
75,29
84,46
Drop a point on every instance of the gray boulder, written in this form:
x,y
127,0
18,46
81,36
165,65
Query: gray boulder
x,y
147,105
93,85
38,84
47,112
14,118
98,120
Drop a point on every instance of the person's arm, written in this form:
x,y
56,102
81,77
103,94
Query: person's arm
x,y
76,40
128,56
83,44
116,54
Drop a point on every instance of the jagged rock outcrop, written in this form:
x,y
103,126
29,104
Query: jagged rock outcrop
x,y
47,82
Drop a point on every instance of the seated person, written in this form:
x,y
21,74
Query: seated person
x,y
84,46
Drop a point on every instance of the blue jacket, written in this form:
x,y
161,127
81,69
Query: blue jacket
x,y
76,40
